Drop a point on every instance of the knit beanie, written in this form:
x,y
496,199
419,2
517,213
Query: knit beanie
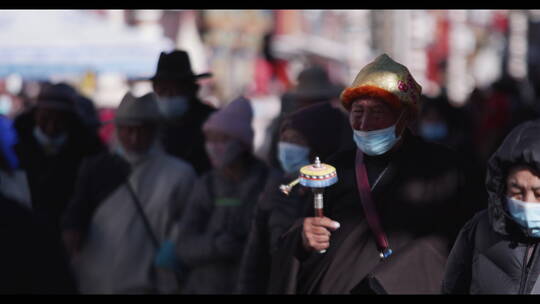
x,y
233,120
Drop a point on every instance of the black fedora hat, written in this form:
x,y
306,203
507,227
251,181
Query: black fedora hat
x,y
176,66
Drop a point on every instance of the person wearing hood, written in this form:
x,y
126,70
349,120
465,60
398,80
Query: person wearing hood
x,y
390,220
183,112
213,231
33,260
124,207
304,136
497,250
84,107
52,143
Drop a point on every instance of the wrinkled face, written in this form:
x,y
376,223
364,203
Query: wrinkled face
x,y
368,114
523,184
52,122
137,138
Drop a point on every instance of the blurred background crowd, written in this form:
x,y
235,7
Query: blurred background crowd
x,y
479,70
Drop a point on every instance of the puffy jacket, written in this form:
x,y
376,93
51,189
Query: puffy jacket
x,y
493,254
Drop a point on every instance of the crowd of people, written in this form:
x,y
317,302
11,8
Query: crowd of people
x,y
430,198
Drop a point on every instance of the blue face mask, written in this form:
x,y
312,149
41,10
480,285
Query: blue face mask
x,y
376,142
173,107
433,130
526,214
292,157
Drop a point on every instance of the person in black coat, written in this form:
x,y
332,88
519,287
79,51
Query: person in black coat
x,y
275,211
497,250
52,144
184,113
391,219
32,259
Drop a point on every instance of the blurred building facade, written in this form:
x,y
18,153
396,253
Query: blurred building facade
x,y
447,50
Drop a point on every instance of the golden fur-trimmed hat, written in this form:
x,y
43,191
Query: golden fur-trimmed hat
x,y
386,79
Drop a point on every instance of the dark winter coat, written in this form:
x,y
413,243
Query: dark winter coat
x,y
276,212
51,178
214,229
99,176
184,138
32,260
493,254
421,202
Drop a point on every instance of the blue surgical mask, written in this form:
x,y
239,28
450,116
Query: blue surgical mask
x,y
526,214
433,130
292,157
173,106
376,142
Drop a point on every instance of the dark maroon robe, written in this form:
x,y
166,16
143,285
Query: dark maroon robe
x,y
423,198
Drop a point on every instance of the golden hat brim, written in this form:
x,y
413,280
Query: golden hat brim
x,y
386,79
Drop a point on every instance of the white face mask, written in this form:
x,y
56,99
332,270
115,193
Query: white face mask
x,y
51,145
173,106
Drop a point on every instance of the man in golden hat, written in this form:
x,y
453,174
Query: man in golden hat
x,y
392,218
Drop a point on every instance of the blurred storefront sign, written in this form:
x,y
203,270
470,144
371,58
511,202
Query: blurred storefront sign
x,y
42,44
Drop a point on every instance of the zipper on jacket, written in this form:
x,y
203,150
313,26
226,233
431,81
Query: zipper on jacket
x,y
527,263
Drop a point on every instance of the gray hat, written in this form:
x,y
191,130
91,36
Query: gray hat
x,y
313,83
133,110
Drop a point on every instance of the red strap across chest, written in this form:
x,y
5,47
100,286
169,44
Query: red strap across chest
x,y
368,205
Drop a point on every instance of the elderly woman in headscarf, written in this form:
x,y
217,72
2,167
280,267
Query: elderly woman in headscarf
x,y
213,231
316,131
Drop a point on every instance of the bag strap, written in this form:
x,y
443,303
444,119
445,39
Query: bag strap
x,y
372,217
140,210
177,276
